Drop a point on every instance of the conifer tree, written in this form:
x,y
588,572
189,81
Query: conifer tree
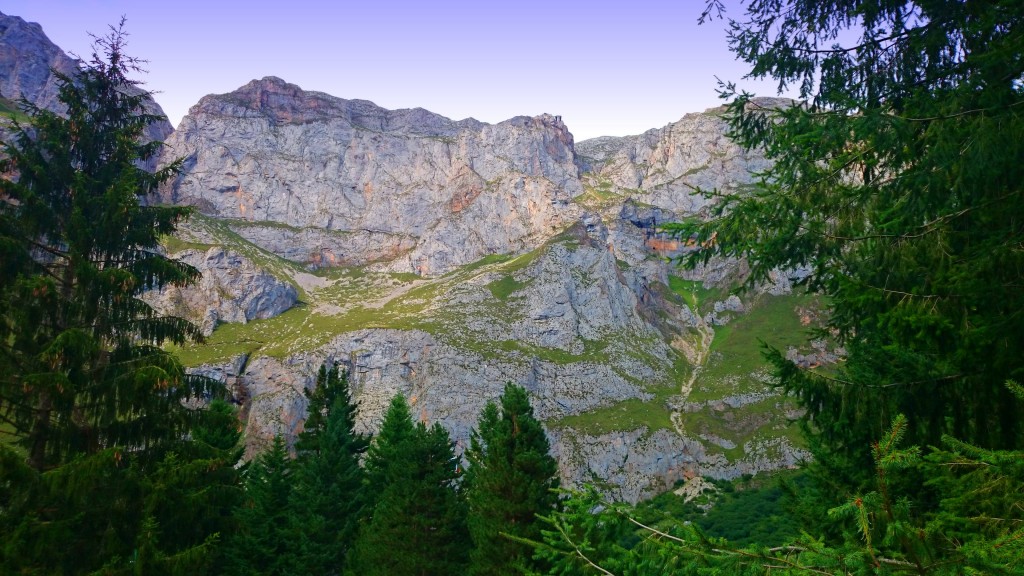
x,y
327,498
190,497
417,524
510,480
263,543
81,368
95,404
898,184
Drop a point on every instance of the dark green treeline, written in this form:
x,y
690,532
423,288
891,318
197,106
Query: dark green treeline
x,y
410,509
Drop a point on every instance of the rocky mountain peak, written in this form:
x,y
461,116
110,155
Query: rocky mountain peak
x,y
26,59
332,182
284,103
271,97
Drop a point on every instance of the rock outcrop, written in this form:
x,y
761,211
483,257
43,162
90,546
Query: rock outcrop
x,y
28,60
231,289
665,167
365,184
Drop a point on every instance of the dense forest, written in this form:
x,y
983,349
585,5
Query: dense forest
x,y
896,182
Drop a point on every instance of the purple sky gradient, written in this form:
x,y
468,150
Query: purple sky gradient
x,y
608,68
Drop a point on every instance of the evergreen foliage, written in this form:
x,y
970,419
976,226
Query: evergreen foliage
x,y
263,542
417,522
81,369
96,406
511,479
977,528
899,186
327,498
745,511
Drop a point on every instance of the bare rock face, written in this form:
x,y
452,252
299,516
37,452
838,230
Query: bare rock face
x,y
27,61
665,167
570,294
408,186
638,464
231,289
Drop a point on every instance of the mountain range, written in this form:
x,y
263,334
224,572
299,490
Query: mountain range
x,y
441,259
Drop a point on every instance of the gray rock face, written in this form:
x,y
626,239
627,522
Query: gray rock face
x,y
638,464
574,294
27,61
438,193
664,167
232,289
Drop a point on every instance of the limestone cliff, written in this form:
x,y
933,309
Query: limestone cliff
x,y
666,167
231,289
328,181
28,60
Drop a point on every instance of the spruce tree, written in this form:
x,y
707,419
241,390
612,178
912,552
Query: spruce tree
x,y
263,543
189,499
510,480
897,183
81,369
327,498
417,523
96,406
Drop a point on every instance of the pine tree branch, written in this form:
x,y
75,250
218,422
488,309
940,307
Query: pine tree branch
x,y
891,385
580,553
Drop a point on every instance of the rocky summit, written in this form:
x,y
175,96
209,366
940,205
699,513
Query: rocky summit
x,y
29,68
331,182
441,259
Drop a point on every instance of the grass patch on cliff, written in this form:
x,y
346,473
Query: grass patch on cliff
x,y
653,414
244,223
10,109
743,427
173,244
505,286
304,328
699,298
736,367
299,329
597,198
736,362
626,415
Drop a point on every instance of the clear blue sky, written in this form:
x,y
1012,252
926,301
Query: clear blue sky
x,y
608,68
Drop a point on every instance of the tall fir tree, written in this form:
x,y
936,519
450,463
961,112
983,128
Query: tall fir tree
x,y
263,543
94,402
417,523
510,480
327,499
898,185
81,368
